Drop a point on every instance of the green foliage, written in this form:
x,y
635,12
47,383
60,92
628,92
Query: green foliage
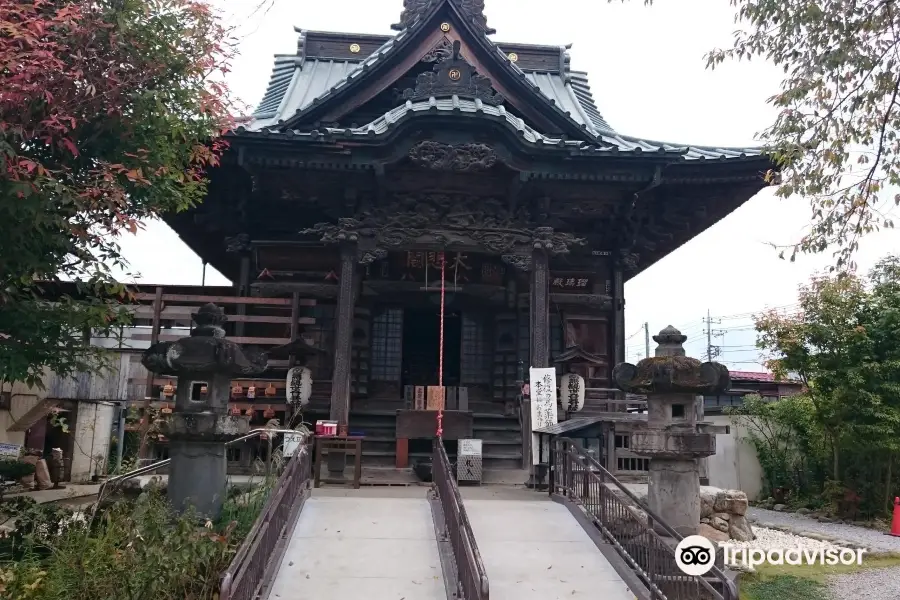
x,y
129,551
15,469
783,587
110,114
842,345
790,449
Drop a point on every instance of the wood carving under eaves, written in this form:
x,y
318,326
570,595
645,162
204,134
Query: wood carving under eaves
x,y
520,262
453,76
443,50
446,221
238,244
459,157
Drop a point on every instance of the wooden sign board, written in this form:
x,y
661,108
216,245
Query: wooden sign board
x,y
543,408
581,283
420,398
460,267
435,398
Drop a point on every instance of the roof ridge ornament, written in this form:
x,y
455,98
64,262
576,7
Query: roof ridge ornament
x,y
473,10
453,76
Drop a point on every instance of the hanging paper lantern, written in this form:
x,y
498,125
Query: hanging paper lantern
x,y
204,389
166,410
299,386
236,391
270,390
236,411
251,391
571,388
250,412
269,413
168,390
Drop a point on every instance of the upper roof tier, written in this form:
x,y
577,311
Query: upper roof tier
x,y
329,67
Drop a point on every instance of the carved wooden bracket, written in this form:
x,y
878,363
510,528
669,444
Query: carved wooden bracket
x,y
520,262
443,221
238,244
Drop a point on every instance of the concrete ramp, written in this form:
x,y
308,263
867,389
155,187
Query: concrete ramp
x,y
358,546
534,549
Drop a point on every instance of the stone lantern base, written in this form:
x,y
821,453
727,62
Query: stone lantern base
x,y
674,493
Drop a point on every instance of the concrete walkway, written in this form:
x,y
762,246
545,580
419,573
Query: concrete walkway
x,y
534,549
354,545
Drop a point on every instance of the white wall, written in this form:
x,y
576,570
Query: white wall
x,y
93,430
23,400
734,466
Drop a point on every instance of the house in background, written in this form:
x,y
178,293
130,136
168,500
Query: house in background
x,y
86,407
735,464
744,383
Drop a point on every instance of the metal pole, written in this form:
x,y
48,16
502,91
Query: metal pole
x,y
269,456
646,340
120,448
203,280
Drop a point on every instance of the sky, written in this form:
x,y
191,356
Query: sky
x,y
649,79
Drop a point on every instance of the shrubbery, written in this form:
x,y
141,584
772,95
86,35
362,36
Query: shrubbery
x,y
134,550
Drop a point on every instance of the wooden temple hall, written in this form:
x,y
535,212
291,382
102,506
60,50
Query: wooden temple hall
x,y
372,156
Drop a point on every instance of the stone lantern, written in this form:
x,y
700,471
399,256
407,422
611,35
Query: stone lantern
x,y
672,381
205,363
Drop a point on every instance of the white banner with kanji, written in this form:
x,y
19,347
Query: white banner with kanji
x,y
542,382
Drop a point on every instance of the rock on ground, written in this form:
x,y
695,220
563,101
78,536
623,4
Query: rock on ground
x,y
870,584
874,541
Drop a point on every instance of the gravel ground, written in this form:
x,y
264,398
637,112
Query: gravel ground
x,y
773,539
871,584
867,538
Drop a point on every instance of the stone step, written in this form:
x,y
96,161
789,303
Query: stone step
x,y
505,463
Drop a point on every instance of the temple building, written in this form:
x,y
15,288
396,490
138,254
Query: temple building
x,y
371,157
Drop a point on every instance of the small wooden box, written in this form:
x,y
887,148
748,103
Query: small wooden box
x,y
435,397
420,398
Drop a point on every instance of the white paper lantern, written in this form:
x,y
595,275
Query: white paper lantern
x,y
571,389
299,386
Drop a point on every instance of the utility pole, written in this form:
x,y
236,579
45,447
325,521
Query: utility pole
x,y
711,351
646,340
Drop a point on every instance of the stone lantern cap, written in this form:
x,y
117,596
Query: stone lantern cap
x,y
670,371
205,351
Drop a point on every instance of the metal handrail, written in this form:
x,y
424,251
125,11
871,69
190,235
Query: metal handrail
x,y
165,462
472,580
252,566
655,554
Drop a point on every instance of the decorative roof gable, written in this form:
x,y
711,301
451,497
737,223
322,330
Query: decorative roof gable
x,y
472,10
380,69
452,76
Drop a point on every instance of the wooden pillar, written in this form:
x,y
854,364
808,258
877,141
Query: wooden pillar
x,y
148,390
243,290
618,294
540,309
340,381
402,451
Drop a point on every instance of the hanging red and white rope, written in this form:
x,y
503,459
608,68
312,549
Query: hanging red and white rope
x,y
440,415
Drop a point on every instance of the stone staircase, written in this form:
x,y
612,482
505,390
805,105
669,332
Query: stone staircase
x,y
501,440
